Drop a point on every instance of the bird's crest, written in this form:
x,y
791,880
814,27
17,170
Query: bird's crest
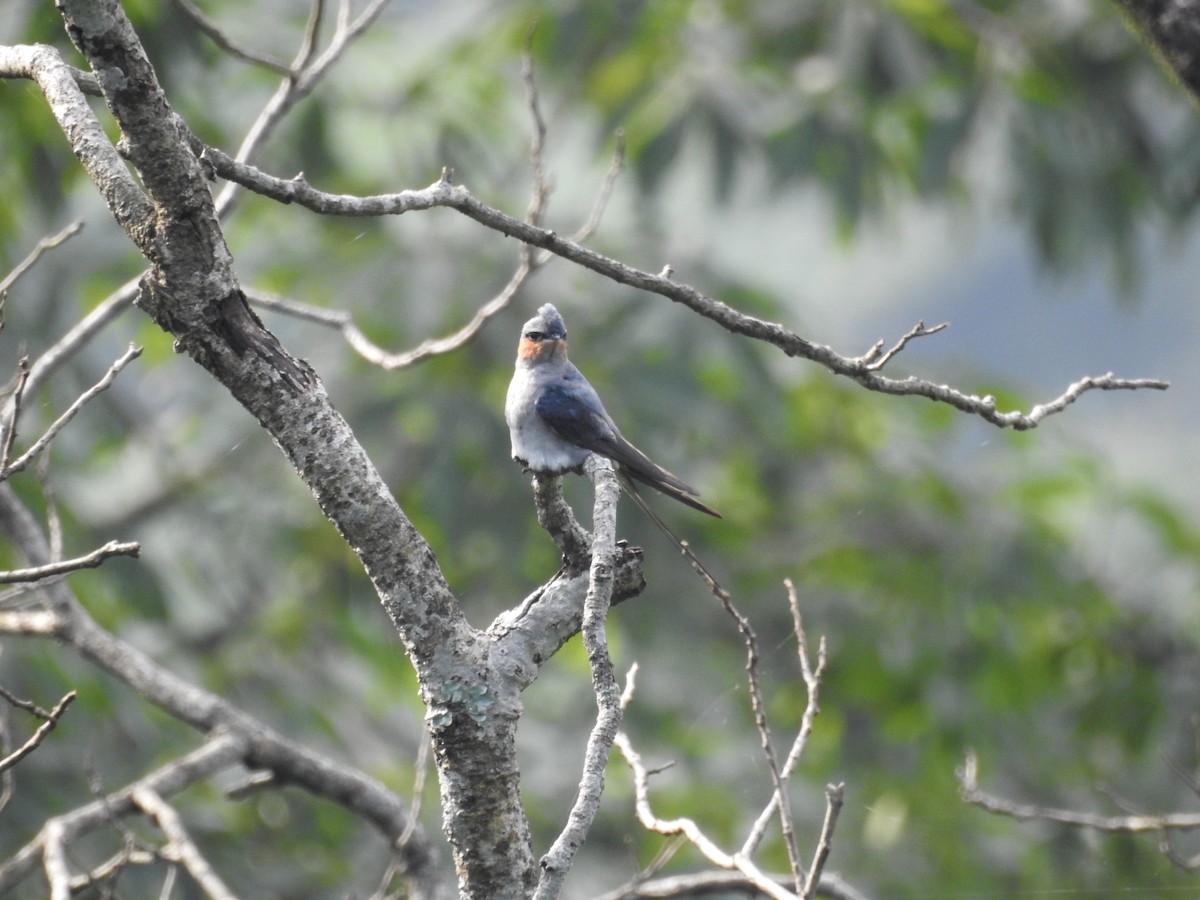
x,y
547,323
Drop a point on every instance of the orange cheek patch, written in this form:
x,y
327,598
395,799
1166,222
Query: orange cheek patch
x,y
527,349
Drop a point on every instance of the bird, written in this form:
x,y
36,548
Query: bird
x,y
556,419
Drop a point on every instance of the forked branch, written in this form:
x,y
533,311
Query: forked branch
x,y
865,369
804,884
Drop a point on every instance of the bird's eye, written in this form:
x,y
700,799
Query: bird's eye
x,y
536,336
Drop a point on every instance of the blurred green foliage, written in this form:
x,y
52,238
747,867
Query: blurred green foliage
x,y
959,585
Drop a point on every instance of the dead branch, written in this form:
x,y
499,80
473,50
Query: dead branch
x,y
862,369
812,684
72,411
45,244
50,719
88,561
180,848
557,861
1132,824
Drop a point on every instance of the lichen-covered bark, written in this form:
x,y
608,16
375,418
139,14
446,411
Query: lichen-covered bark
x,y
191,291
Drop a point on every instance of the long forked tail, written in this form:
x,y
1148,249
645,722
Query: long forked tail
x,y
635,464
684,547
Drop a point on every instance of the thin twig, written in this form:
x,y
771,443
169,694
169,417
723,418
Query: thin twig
x,y
257,746
541,187
312,29
214,33
29,706
758,705
528,263
54,527
1188,778
44,441
180,848
46,243
6,776
8,429
421,773
972,794
834,796
49,721
630,686
344,322
875,359
396,864
66,347
219,753
615,167
687,827
812,684
89,561
720,884
130,854
778,781
303,75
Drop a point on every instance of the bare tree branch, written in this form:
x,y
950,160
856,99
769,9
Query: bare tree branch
x,y
778,779
49,721
615,167
827,885
557,861
720,884
101,315
763,882
470,687
470,681
558,519
875,359
812,684
1134,824
862,369
343,321
529,263
88,561
804,884
99,387
303,75
8,427
88,140
260,747
54,860
834,796
46,243
214,33
130,854
180,847
192,292
49,845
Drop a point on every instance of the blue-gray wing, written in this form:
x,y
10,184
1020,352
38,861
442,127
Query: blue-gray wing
x,y
574,412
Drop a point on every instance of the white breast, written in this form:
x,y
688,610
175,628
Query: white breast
x,y
534,444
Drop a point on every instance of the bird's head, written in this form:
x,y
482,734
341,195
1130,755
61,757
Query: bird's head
x,y
544,337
